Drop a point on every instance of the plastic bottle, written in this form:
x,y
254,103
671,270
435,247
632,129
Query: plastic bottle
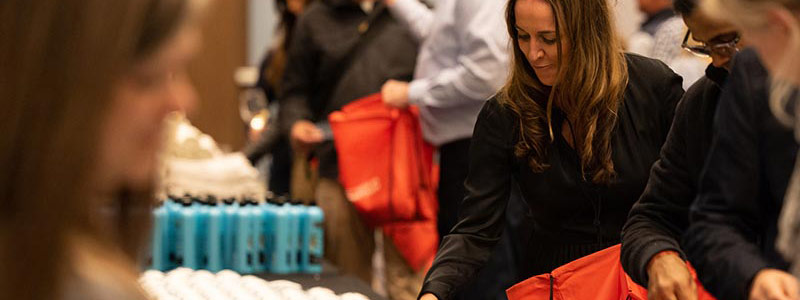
x,y
269,215
174,234
299,216
316,239
215,235
259,239
186,243
201,232
296,216
243,244
282,254
160,251
228,230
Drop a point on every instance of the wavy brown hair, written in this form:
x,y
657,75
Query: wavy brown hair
x,y
591,81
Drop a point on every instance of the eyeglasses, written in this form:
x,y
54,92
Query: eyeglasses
x,y
722,49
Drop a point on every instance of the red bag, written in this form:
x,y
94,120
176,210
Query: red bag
x,y
384,164
596,276
416,241
386,169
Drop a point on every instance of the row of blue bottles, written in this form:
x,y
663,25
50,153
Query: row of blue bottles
x,y
278,236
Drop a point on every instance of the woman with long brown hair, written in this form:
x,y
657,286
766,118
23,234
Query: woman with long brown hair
x,y
86,84
576,127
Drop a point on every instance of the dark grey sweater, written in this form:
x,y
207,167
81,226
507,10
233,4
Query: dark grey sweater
x,y
661,215
734,218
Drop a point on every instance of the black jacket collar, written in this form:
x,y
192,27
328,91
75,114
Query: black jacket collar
x,y
717,75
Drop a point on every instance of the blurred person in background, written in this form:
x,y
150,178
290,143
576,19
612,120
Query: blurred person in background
x,y
463,61
660,37
735,222
342,50
651,251
577,127
269,140
86,86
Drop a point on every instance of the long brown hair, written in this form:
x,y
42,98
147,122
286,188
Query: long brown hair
x,y
279,54
59,60
591,82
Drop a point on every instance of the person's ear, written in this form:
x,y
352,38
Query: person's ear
x,y
781,21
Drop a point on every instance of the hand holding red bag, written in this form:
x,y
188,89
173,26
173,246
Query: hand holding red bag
x,y
385,167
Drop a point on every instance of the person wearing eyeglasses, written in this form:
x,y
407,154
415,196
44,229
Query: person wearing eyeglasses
x,y
651,252
658,38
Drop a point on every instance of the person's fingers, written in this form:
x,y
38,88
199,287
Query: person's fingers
x,y
775,291
790,287
686,290
657,292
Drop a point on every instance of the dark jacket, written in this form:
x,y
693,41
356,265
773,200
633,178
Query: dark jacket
x,y
323,36
660,217
734,218
571,217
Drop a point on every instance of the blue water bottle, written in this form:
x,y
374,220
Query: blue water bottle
x,y
201,210
282,254
228,229
174,234
302,237
160,250
186,243
215,237
295,233
269,214
259,238
243,244
316,239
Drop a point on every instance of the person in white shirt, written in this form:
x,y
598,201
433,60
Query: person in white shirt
x,y
660,37
462,62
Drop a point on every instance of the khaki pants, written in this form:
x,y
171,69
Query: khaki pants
x,y
304,178
349,244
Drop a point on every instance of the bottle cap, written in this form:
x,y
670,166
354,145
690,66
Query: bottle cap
x,y
283,199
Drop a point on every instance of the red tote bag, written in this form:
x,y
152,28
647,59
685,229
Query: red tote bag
x,y
596,276
386,169
385,166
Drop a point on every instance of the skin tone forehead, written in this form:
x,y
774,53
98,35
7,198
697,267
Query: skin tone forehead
x,y
705,28
177,51
535,17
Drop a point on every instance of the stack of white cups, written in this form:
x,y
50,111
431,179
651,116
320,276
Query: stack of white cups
x,y
187,284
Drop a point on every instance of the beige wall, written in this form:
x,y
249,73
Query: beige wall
x,y
224,49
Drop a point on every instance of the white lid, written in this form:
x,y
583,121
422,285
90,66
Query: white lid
x,y
246,76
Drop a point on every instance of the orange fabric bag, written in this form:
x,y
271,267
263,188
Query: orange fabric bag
x,y
596,276
385,167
